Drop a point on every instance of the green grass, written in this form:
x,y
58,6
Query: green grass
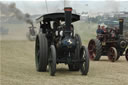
x,y
87,31
18,31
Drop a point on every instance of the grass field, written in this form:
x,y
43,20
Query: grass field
x,y
18,31
18,68
17,62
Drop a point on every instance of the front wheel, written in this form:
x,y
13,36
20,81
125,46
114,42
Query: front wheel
x,y
52,60
126,54
84,66
112,54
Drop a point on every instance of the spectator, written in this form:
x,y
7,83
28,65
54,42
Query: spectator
x,y
99,30
104,29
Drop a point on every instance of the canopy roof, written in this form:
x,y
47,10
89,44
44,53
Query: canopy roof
x,y
57,16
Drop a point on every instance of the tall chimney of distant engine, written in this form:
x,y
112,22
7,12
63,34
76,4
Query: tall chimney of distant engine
x,y
68,17
121,21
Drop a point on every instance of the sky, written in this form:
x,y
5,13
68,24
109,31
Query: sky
x,y
61,0
39,6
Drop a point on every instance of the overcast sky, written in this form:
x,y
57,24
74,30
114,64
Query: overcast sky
x,y
39,6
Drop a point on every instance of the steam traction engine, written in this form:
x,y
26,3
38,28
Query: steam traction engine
x,y
31,34
112,43
56,43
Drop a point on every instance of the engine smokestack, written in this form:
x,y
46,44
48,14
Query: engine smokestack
x,y
121,21
68,17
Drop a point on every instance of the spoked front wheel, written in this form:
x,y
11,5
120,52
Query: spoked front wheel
x,y
84,66
112,54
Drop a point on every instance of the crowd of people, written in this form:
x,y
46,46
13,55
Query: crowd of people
x,y
105,30
101,30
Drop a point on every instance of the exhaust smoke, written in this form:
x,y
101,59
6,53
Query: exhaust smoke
x,y
10,10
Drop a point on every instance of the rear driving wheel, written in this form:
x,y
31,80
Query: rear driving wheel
x,y
41,52
84,66
95,49
112,54
126,54
52,60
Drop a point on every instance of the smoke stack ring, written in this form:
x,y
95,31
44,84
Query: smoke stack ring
x,y
67,9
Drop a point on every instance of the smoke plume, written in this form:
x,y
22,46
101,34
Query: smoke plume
x,y
10,10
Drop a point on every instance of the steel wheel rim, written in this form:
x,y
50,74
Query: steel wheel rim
x,y
111,54
92,50
84,63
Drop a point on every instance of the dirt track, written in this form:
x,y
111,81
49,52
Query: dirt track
x,y
18,68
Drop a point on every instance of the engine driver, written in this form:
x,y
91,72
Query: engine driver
x,y
99,30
